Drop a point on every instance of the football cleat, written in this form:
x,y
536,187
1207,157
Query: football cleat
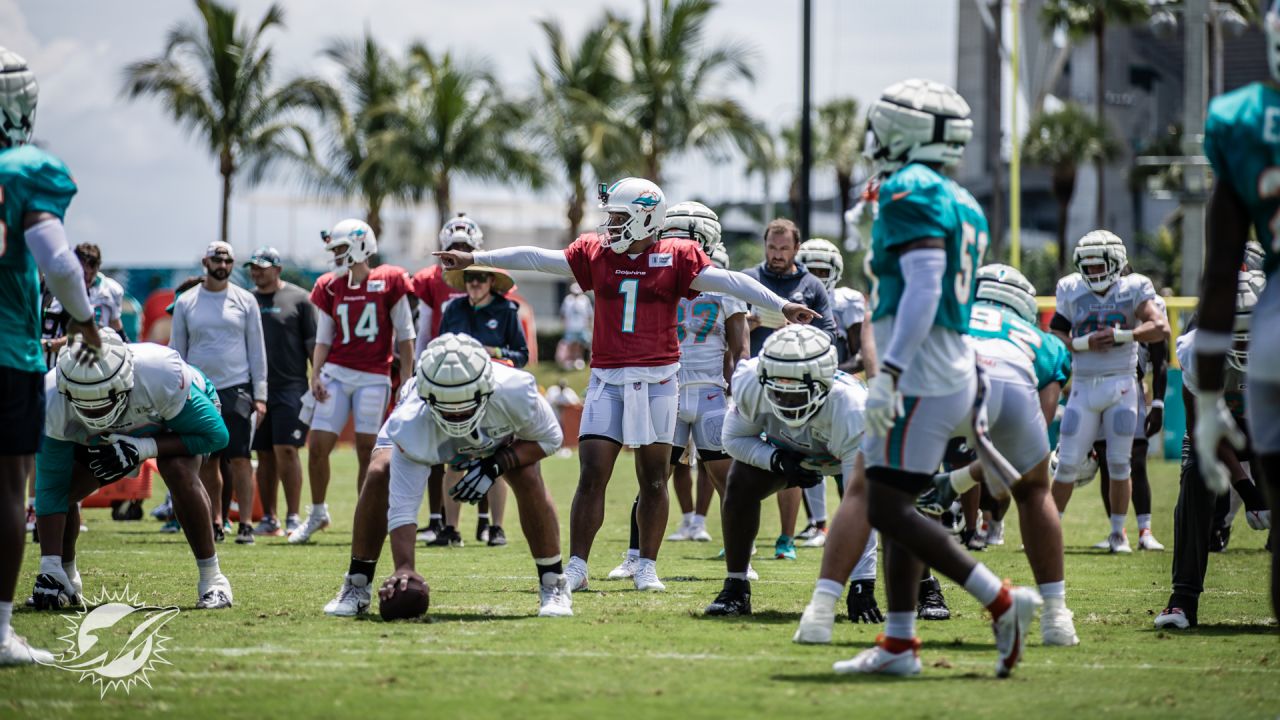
x,y
1010,628
556,599
352,599
497,536
244,536
15,650
576,573
1103,544
171,527
807,532
268,527
1057,627
816,624
447,537
818,540
482,530
784,548
1147,541
1174,618
930,604
219,534
1118,543
995,532
700,533
734,599
1219,538
292,522
216,596
752,575
889,656
54,591
314,524
684,532
646,577
625,569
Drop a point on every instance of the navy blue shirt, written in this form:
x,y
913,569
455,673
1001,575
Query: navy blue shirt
x,y
494,325
797,287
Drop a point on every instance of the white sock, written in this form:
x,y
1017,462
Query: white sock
x,y
70,569
1054,593
436,517
699,519
1061,514
319,509
633,553
1144,522
1117,524
736,576
50,563
642,562
996,525
687,518
209,569
577,562
6,612
829,590
900,625
962,480
983,585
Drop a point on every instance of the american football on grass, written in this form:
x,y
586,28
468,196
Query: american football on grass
x,y
411,602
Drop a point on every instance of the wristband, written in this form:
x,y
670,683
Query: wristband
x,y
1123,336
1081,344
1157,404
147,447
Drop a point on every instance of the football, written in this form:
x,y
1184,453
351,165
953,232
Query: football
x,y
411,602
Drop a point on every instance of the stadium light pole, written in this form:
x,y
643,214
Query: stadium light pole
x,y
806,121
1193,111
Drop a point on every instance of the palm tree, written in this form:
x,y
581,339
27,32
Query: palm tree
x,y
1061,141
357,112
577,124
677,84
214,79
1090,18
841,148
455,122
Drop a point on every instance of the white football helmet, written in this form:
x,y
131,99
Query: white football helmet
x,y
820,254
1249,287
694,221
1254,255
455,378
461,229
351,241
1105,253
1272,26
98,392
644,206
1004,285
720,257
920,121
18,94
797,367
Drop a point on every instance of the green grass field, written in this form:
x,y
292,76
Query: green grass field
x,y
481,652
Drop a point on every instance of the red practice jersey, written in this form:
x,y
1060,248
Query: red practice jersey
x,y
363,337
430,287
636,300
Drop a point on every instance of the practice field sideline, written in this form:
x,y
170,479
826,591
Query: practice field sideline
x,y
481,653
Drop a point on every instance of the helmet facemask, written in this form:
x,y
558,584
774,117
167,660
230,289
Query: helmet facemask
x,y
794,401
458,419
796,367
455,378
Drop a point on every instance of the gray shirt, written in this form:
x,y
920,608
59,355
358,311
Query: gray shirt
x,y
221,333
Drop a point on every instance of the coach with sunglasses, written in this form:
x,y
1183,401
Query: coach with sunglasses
x,y
486,314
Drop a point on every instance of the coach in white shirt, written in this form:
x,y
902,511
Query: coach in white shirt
x,y
217,328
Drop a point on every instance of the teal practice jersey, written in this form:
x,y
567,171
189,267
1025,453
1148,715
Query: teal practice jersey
x,y
917,202
1050,359
1242,142
31,180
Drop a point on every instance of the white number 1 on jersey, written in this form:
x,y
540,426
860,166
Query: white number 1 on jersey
x,y
629,289
366,326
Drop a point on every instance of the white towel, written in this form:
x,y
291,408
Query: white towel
x,y
998,473
637,425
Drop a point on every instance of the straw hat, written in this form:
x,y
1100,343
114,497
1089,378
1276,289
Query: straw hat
x,y
502,281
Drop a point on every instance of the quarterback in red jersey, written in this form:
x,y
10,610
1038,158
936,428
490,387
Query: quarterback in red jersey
x,y
360,309
639,280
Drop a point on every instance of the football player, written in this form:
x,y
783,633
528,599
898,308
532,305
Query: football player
x,y
1193,515
35,190
489,421
927,243
794,419
638,279
103,420
1027,369
361,311
1101,315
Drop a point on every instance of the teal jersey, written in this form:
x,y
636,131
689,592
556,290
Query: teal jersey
x,y
31,180
1049,357
917,202
1242,142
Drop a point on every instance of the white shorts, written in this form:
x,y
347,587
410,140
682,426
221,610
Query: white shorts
x,y
701,415
1099,408
603,415
1016,424
919,438
368,403
404,494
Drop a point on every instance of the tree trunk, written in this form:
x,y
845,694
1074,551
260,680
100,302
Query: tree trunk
x,y
577,208
653,164
844,186
1099,101
1064,187
227,167
441,192
373,214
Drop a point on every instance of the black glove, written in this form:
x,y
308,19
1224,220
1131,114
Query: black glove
x,y
111,461
790,465
862,602
478,476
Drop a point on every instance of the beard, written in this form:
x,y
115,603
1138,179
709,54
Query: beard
x,y
219,273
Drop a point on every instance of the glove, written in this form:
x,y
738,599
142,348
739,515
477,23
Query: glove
x,y
884,402
1213,425
791,465
478,476
862,602
1258,519
118,457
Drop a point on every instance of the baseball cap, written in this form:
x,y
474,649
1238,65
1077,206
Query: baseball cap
x,y
264,257
218,247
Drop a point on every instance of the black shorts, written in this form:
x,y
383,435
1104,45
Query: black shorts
x,y
237,413
21,411
281,426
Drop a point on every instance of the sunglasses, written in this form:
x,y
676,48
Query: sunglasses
x,y
221,260
475,277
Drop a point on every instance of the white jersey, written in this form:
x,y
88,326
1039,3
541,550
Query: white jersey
x,y
516,411
831,438
849,307
576,312
106,297
161,384
703,342
1088,311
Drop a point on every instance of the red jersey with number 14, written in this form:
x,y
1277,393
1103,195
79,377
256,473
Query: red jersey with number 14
x,y
636,298
362,331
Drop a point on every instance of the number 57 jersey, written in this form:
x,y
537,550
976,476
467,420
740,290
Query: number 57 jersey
x,y
700,327
363,331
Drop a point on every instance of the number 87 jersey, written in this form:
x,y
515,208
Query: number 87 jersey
x,y
363,330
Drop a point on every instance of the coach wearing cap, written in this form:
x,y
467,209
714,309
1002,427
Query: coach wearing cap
x,y
485,313
217,327
289,327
